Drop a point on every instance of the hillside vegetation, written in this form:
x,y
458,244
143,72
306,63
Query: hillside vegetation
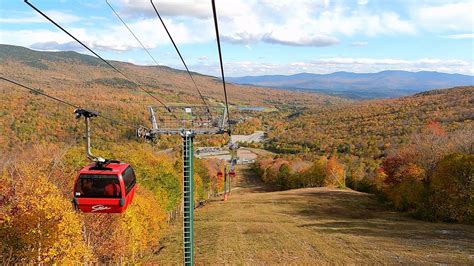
x,y
87,82
416,152
42,149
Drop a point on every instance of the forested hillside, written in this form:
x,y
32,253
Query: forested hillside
x,y
369,129
87,82
412,151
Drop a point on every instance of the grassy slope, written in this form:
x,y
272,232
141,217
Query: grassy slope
x,y
314,225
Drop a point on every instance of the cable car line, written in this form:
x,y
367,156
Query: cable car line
x,y
93,192
37,91
105,61
130,30
179,53
220,57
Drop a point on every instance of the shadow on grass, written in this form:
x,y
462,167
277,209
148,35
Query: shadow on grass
x,y
360,214
391,230
250,180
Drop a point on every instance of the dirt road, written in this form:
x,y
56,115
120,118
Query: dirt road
x,y
314,225
244,155
257,136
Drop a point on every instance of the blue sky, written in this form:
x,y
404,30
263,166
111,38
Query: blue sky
x,y
259,37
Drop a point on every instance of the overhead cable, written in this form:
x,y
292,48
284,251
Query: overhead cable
x,y
131,32
180,56
40,92
105,61
220,57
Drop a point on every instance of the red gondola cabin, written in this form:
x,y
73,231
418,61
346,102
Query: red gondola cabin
x,y
105,188
232,173
219,174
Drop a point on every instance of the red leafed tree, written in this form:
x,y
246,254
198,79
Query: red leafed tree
x,y
435,128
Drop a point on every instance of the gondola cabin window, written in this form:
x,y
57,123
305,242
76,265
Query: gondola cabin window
x,y
98,186
129,179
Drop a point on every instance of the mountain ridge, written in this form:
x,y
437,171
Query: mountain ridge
x,y
67,69
383,84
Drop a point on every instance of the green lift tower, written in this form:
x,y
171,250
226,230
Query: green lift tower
x,y
187,121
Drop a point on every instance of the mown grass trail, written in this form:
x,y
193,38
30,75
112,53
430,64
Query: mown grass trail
x,y
313,225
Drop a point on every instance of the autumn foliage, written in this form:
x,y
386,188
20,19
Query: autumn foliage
x,y
417,152
288,174
452,188
39,225
247,127
432,176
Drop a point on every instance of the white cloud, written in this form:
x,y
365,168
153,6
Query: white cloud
x,y
62,17
48,40
117,38
312,23
203,58
285,38
28,37
184,8
55,46
450,16
460,36
21,20
294,23
27,17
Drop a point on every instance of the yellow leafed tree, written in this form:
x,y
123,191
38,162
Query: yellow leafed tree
x,y
41,223
141,225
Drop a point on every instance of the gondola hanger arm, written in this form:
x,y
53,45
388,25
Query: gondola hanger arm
x,y
87,116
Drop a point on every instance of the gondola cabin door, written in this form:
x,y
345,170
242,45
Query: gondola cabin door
x,y
104,189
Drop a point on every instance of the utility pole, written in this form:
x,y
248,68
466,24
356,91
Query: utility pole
x,y
233,160
187,122
230,181
225,183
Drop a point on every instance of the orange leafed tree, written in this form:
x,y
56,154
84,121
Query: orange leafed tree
x,y
335,172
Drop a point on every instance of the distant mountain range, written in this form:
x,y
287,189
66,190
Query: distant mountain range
x,y
72,72
385,84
